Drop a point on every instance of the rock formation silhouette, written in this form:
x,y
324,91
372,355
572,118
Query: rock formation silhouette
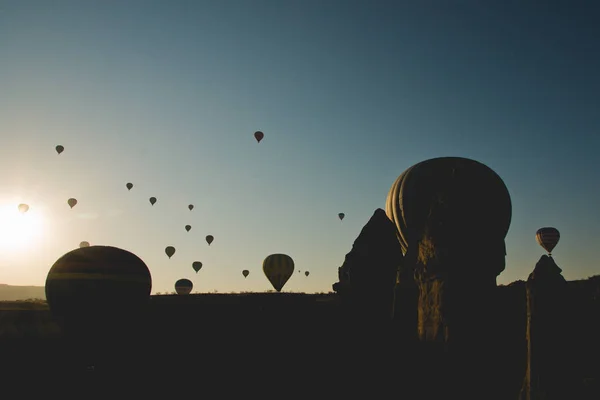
x,y
550,361
368,275
452,215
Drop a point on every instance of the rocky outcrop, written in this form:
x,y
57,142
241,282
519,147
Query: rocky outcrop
x,y
550,361
452,215
368,275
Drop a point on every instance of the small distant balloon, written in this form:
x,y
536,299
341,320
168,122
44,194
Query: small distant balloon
x,y
129,186
72,202
306,273
183,286
191,207
170,250
209,239
258,135
188,227
196,265
152,200
60,149
245,273
23,208
341,216
84,244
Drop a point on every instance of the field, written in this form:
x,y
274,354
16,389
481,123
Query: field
x,y
264,339
249,344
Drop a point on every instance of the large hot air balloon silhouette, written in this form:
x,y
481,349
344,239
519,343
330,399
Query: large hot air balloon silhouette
x,y
23,208
196,265
59,149
548,238
306,273
341,216
258,135
475,200
170,250
209,239
245,273
188,227
191,207
84,244
184,286
278,268
152,200
92,289
72,202
129,185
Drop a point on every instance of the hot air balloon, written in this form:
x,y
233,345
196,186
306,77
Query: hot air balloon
x,y
92,289
306,273
196,265
72,202
209,239
341,216
59,149
129,185
84,244
258,135
183,286
548,238
23,208
152,200
191,207
245,273
278,268
188,227
477,197
170,250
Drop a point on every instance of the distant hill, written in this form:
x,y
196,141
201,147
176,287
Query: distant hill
x,y
13,293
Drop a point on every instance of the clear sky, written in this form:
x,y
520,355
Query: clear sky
x,y
168,94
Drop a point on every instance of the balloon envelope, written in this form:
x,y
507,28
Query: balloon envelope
x,y
191,207
188,227
209,239
23,208
170,250
72,202
306,273
245,273
60,149
470,195
183,286
548,238
152,200
341,216
84,244
196,265
278,268
94,287
258,135
129,186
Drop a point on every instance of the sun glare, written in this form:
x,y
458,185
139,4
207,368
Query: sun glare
x,y
18,230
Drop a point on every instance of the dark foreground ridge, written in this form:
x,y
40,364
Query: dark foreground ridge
x,y
252,343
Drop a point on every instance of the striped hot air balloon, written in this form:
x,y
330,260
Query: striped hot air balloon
x,y
278,268
94,287
465,193
184,286
548,238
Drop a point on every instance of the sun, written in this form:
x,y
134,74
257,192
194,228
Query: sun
x,y
19,230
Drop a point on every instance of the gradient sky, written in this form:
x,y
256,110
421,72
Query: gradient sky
x,y
168,94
